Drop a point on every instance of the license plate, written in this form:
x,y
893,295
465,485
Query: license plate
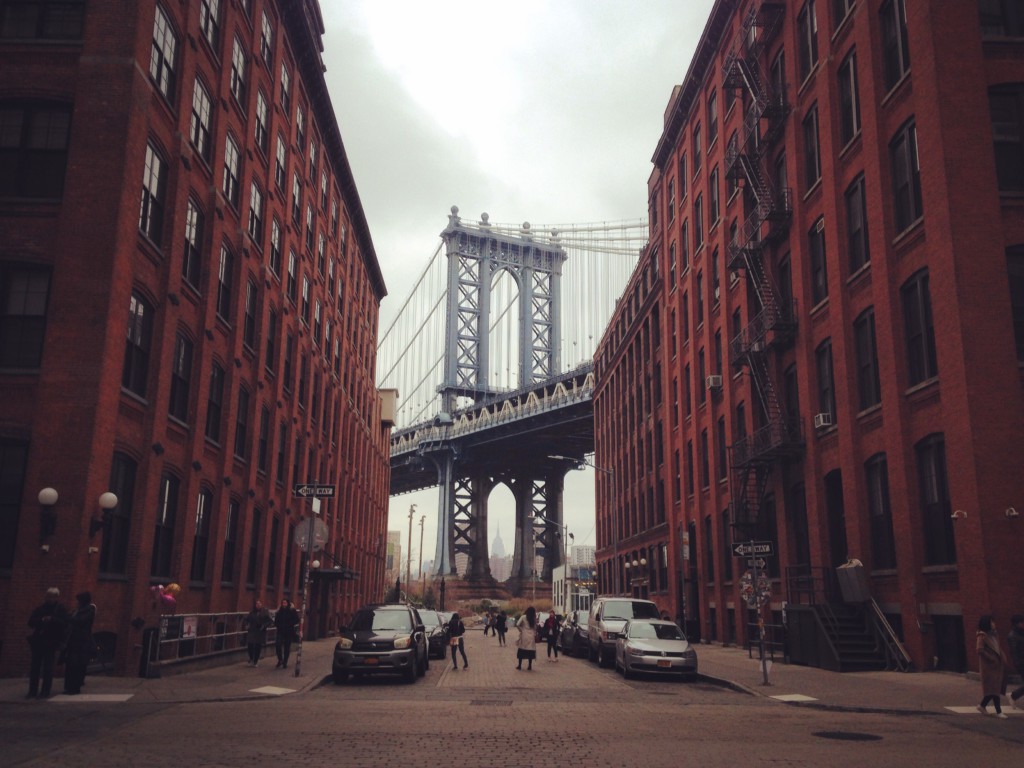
x,y
664,662
371,661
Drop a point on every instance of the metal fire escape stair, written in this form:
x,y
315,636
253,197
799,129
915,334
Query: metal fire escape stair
x,y
752,457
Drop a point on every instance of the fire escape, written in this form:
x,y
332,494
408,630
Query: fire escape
x,y
776,436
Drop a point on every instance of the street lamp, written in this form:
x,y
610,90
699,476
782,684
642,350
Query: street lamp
x,y
580,463
408,555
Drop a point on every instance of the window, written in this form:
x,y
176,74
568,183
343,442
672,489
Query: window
x,y
317,323
227,568
1015,272
689,467
256,214
24,296
697,150
201,537
242,425
33,149
262,131
229,185
857,224
672,267
215,403
282,442
722,460
296,199
671,194
163,535
312,160
209,21
249,321
840,10
286,89
280,161
13,460
716,285
826,386
275,246
812,154
709,550
275,534
238,61
936,510
718,351
292,280
727,553
321,253
689,389
906,177
224,278
254,549
162,54
199,125
1001,18
300,127
895,47
699,291
698,222
114,549
819,263
42,20
289,356
715,209
684,247
686,316
136,353
713,118
920,333
1006,108
305,300
323,190
705,460
266,39
849,100
181,378
807,25
193,242
702,373
263,444
682,177
883,543
154,191
309,227
869,387
271,356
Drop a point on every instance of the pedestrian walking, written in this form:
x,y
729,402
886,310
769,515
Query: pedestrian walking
x,y
1015,642
255,624
526,645
81,647
487,622
991,665
286,621
552,628
501,627
49,623
456,632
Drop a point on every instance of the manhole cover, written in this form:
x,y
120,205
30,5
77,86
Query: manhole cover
x,y
846,736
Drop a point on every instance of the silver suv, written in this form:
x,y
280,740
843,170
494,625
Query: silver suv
x,y
382,638
608,615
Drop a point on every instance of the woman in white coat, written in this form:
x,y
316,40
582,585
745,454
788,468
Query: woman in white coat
x,y
526,645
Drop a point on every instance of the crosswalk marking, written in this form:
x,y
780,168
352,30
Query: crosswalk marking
x,y
974,711
93,698
272,690
794,697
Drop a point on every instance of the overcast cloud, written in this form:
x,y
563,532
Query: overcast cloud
x,y
545,111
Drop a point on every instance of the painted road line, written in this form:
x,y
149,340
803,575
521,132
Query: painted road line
x,y
794,697
272,690
92,698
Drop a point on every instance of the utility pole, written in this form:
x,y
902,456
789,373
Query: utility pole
x,y
423,584
408,555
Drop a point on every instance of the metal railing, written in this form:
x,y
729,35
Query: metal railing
x,y
774,640
191,638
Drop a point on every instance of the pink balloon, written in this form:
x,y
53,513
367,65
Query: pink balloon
x,y
168,600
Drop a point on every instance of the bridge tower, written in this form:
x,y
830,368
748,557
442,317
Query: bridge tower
x,y
477,255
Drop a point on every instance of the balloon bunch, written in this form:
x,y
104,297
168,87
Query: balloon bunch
x,y
166,597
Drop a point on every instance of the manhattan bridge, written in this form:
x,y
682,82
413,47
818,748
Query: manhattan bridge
x,y
492,357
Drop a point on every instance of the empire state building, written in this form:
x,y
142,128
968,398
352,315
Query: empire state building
x,y
501,564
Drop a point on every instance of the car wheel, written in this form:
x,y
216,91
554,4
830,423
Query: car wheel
x,y
339,677
413,670
426,665
602,657
627,673
591,653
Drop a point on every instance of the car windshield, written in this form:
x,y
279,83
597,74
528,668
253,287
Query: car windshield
x,y
430,619
381,621
655,631
629,609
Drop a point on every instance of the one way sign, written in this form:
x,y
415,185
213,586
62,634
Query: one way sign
x,y
316,491
753,548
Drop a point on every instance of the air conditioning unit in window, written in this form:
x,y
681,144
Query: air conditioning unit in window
x,y
714,381
822,420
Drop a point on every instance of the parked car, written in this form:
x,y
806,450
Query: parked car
x,y
382,638
437,633
573,640
654,646
607,617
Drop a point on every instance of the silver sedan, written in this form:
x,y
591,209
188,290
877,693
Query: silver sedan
x,y
655,646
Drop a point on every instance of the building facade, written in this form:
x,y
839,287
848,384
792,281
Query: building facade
x,y
189,306
836,208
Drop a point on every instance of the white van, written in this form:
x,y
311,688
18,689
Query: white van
x,y
608,615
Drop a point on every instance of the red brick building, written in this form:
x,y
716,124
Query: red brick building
x,y
836,211
176,170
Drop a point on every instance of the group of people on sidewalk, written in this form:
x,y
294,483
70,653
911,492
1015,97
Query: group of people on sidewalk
x,y
63,637
530,631
258,621
993,665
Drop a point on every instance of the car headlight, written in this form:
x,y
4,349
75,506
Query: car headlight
x,y
344,644
634,651
403,641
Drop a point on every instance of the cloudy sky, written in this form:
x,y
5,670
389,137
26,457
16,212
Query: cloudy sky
x,y
545,111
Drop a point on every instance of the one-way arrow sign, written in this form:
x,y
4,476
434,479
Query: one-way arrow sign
x,y
317,491
759,563
753,548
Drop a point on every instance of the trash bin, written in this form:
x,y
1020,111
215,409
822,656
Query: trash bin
x,y
853,582
150,644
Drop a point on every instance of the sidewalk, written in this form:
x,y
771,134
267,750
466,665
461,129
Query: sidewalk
x,y
493,669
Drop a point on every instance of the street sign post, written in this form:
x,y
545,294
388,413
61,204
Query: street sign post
x,y
758,548
313,490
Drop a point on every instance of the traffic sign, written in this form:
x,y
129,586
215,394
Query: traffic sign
x,y
309,529
311,489
753,548
760,563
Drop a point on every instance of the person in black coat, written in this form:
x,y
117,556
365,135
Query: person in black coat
x,y
49,623
255,624
81,647
286,620
456,630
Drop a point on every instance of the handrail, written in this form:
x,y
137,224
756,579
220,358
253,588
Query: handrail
x,y
893,647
